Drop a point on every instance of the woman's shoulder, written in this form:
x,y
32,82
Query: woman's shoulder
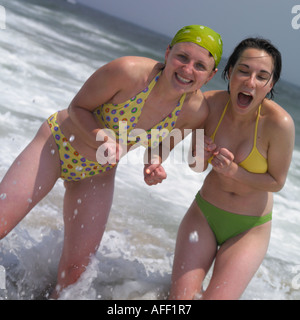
x,y
126,76
216,101
277,120
133,67
275,114
216,97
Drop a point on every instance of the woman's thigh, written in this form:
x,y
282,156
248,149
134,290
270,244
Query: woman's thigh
x,y
195,251
31,176
236,262
87,205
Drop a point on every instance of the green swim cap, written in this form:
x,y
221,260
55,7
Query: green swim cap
x,y
204,37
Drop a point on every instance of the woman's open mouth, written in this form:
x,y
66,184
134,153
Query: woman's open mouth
x,y
244,99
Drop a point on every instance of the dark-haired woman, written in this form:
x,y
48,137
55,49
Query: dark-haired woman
x,y
252,139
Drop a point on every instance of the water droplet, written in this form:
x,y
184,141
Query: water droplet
x,y
52,151
57,288
72,138
79,201
3,196
198,296
194,236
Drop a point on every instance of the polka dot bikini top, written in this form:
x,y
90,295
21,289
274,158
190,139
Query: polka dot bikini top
x,y
122,119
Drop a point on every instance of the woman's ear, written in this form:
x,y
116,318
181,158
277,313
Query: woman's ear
x,y
212,75
167,53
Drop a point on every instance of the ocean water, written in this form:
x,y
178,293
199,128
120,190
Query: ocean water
x,y
47,51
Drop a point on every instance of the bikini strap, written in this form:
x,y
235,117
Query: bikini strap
x,y
222,116
153,81
256,126
181,101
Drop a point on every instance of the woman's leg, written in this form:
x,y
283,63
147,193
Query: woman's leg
x,y
195,251
86,208
31,176
236,263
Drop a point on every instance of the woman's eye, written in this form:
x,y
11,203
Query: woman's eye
x,y
200,66
182,57
263,78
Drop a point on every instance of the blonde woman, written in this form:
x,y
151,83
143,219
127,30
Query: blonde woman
x,y
130,92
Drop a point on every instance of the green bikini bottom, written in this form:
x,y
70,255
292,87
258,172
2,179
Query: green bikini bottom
x,y
226,225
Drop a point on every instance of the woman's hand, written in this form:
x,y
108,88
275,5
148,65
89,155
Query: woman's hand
x,y
209,148
154,173
222,161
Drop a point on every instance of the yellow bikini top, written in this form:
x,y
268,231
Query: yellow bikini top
x,y
255,162
125,116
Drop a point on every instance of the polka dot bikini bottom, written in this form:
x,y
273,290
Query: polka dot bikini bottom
x,y
73,165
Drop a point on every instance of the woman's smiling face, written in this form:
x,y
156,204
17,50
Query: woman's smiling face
x,y
251,79
189,66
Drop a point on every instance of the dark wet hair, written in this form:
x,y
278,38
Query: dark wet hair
x,y
260,44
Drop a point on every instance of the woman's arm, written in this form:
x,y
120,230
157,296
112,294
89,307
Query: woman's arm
x,y
100,88
154,172
192,117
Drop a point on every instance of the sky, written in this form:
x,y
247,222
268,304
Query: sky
x,y
276,20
